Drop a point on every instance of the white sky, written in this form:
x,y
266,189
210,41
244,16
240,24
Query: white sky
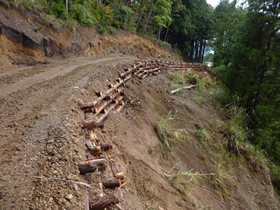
x,y
214,3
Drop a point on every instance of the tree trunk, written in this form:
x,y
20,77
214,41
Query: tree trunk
x,y
204,46
158,34
165,37
192,50
66,5
200,51
196,51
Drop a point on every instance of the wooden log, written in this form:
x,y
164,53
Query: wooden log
x,y
108,97
91,124
110,85
111,184
89,166
96,151
92,104
104,202
121,107
119,175
101,108
98,93
185,87
106,146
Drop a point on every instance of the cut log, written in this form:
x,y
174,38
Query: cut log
x,y
185,87
96,151
119,175
114,88
106,147
91,124
121,107
104,202
112,184
98,93
89,166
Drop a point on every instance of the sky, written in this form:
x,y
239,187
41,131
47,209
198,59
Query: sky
x,y
214,3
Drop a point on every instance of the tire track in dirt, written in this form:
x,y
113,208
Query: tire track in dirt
x,y
30,114
50,74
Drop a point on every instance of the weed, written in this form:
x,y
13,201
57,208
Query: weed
x,y
166,132
217,180
202,134
237,129
103,30
37,29
184,180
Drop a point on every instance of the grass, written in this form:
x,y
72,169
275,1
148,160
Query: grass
x,y
217,180
168,134
184,180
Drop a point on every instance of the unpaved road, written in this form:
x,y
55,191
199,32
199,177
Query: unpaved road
x,y
35,105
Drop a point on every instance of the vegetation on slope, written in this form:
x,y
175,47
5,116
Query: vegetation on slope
x,y
245,40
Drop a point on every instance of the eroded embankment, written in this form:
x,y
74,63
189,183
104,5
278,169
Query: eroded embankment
x,y
20,43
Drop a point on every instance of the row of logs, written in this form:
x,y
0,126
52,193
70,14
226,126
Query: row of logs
x,y
100,108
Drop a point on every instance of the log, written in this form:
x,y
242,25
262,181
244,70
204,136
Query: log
x,y
104,202
111,184
119,175
108,102
106,147
98,93
121,107
97,123
91,124
185,87
89,166
96,151
92,104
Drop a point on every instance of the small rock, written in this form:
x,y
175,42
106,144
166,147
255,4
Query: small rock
x,y
89,145
68,197
75,187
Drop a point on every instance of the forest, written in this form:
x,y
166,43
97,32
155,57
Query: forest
x,y
243,39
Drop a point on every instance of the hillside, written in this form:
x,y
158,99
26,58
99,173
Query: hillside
x,y
46,76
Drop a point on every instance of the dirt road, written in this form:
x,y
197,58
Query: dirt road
x,y
35,105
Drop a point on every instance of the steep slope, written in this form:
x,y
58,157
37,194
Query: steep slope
x,y
41,136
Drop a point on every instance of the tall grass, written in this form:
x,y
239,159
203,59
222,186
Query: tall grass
x,y
166,131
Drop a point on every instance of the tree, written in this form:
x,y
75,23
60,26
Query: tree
x,y
253,73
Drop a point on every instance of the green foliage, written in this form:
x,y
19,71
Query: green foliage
x,y
168,134
122,16
217,179
247,44
162,13
209,58
184,181
37,29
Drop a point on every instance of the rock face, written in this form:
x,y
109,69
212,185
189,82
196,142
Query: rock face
x,y
36,38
